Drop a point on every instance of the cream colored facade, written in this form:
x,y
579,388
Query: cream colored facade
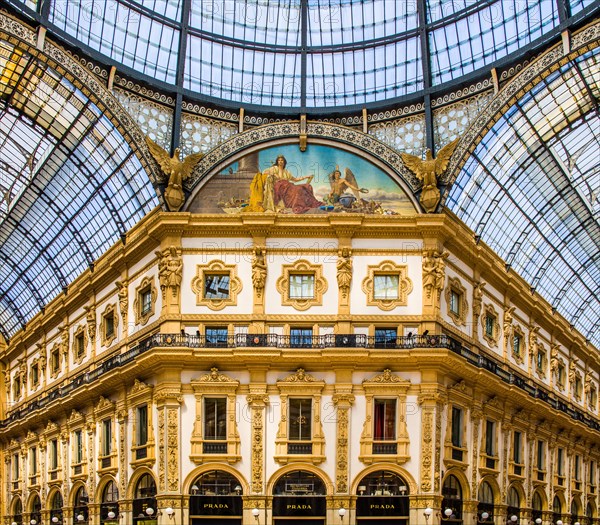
x,y
470,338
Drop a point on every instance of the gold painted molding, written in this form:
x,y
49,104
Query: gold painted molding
x,y
142,319
456,286
302,266
389,268
218,268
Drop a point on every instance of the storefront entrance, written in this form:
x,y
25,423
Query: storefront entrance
x,y
383,498
216,499
299,499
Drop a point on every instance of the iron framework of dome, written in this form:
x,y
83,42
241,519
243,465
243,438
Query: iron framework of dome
x,y
73,181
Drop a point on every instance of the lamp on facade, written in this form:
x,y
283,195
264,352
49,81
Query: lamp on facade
x,y
513,519
238,489
195,489
576,523
170,512
427,513
54,519
33,522
149,511
80,517
362,489
14,523
448,512
538,521
485,515
342,513
256,513
559,522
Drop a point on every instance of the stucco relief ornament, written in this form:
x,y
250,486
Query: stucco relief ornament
x,y
215,377
170,270
123,300
299,376
344,271
176,170
477,298
428,171
533,341
434,271
508,318
259,270
90,317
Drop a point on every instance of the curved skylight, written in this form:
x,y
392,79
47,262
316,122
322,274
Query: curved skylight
x,y
305,53
531,191
70,184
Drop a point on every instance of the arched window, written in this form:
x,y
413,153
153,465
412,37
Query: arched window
x,y
216,494
17,512
56,508
299,494
589,513
452,502
514,504
536,504
109,507
575,511
382,495
556,509
144,502
36,510
80,507
485,507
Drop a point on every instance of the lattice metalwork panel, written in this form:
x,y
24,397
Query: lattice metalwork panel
x,y
155,120
200,134
451,121
530,190
405,134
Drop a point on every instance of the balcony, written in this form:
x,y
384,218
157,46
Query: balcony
x,y
385,448
299,448
214,448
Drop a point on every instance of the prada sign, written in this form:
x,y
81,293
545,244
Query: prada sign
x,y
299,506
215,505
382,506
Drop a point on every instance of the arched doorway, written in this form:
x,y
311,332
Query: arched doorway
x,y
382,495
513,501
56,508
35,510
109,506
299,498
17,511
452,501
537,508
80,506
589,514
144,501
485,507
216,495
576,514
556,509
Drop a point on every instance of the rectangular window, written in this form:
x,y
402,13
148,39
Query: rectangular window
x,y
517,447
302,286
517,344
16,471
384,420
490,437
489,326
54,454
80,344
78,452
455,302
34,461
300,418
385,286
216,286
592,473
106,437
216,337
109,326
141,426
55,360
577,468
301,337
35,375
215,418
385,337
456,427
541,459
145,301
560,460
540,361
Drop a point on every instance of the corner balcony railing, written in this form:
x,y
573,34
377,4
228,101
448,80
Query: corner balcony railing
x,y
346,341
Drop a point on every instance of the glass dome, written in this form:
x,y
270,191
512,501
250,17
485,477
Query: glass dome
x,y
307,54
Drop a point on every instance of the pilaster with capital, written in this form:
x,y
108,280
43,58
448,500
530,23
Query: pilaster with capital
x,y
427,401
343,402
476,418
122,422
257,402
168,401
91,433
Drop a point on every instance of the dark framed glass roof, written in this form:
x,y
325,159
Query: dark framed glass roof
x,y
306,54
531,191
70,186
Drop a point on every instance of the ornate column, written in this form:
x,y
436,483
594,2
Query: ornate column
x,y
91,457
343,400
476,418
168,402
257,402
122,422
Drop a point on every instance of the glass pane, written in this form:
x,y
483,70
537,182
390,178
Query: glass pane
x,y
215,418
216,286
302,286
385,286
384,420
300,419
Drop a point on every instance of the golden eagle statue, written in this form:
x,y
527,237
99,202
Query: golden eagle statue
x,y
428,171
176,170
